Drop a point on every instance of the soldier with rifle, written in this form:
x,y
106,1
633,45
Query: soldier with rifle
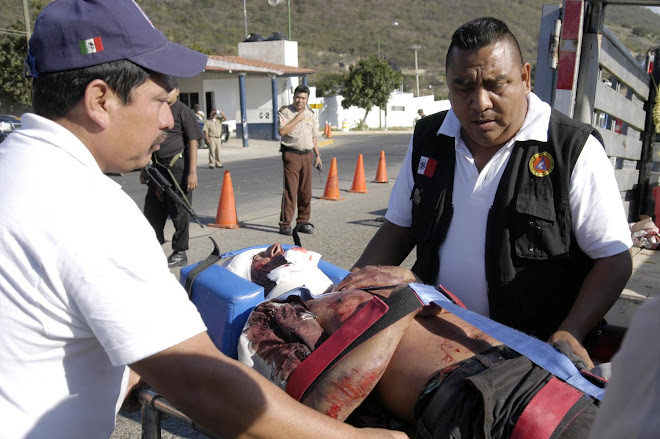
x,y
163,186
176,159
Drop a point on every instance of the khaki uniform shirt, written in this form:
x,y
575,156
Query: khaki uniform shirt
x,y
300,137
213,127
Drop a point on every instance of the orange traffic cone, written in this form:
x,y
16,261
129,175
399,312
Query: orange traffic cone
x,y
226,218
329,135
359,183
381,173
332,185
325,130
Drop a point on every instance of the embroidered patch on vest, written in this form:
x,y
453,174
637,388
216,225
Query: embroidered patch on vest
x,y
427,166
541,164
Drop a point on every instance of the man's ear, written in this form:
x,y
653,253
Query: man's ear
x,y
527,77
275,249
99,102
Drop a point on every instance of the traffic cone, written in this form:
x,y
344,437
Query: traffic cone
x,y
359,183
325,130
381,173
329,135
226,218
332,184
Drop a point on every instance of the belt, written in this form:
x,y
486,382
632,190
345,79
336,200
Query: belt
x,y
169,161
295,151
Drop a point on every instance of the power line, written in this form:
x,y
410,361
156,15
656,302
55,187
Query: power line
x,y
12,32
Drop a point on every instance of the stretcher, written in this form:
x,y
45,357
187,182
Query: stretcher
x,y
224,300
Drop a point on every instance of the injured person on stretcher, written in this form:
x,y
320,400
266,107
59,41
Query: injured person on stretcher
x,y
426,367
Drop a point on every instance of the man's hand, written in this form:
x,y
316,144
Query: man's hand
x,y
135,384
575,345
318,162
376,276
192,181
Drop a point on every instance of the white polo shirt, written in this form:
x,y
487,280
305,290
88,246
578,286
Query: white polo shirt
x,y
84,288
598,219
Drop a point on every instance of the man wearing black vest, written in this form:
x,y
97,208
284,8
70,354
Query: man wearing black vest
x,y
512,205
177,161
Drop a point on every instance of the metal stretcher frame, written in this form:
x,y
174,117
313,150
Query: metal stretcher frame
x,y
154,407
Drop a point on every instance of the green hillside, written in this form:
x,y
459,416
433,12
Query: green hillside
x,y
334,34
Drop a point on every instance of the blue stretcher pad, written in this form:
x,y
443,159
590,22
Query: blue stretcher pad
x,y
225,299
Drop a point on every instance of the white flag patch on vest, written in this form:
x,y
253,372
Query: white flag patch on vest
x,y
91,45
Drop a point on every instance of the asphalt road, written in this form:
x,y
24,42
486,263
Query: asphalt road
x,y
343,228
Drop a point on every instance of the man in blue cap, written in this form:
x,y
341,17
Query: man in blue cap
x,y
79,263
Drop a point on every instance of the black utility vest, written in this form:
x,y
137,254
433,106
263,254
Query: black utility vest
x,y
534,267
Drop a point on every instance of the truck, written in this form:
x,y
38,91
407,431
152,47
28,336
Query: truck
x,y
587,73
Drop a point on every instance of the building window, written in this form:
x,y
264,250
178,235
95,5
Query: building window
x,y
190,99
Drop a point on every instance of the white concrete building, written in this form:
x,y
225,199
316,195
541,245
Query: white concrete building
x,y
251,87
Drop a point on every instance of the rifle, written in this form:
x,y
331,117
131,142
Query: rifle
x,y
164,185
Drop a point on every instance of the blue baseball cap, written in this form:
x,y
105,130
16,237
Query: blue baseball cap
x,y
73,34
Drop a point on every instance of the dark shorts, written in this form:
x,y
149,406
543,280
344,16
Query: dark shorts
x,y
483,396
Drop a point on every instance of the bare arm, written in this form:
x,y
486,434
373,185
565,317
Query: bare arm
x,y
317,153
347,385
192,171
600,290
351,380
391,245
232,400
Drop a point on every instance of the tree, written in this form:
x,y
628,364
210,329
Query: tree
x,y
15,89
369,83
330,84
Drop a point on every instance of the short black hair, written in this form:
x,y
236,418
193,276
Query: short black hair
x,y
482,32
301,89
54,94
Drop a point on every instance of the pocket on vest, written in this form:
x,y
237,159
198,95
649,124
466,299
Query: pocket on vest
x,y
540,231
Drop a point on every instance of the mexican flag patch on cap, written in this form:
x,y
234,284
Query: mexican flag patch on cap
x,y
91,45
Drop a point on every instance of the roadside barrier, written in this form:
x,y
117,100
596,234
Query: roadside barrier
x,y
359,182
226,218
381,173
332,184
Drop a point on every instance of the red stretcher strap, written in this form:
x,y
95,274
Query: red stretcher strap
x,y
546,410
319,359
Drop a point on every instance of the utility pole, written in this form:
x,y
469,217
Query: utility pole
x,y
26,14
416,47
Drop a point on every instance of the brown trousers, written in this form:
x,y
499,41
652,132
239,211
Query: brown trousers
x,y
298,170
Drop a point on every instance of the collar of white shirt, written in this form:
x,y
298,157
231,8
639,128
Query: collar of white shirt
x,y
535,126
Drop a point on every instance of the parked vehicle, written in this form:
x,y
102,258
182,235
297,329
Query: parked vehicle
x,y
8,124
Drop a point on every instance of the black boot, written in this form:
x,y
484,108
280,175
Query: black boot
x,y
177,259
